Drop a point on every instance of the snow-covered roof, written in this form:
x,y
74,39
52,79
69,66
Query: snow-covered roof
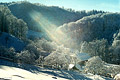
x,y
83,56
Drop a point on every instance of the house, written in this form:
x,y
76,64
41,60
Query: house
x,y
82,59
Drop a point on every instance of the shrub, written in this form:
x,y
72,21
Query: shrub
x,y
96,48
26,57
7,53
60,59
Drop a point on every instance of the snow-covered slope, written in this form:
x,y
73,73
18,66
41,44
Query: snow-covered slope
x,y
11,41
13,73
29,72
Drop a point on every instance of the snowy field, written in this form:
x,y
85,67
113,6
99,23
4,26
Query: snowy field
x,y
13,71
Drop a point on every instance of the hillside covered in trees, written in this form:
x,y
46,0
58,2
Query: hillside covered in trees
x,y
12,25
99,26
96,34
71,33
54,14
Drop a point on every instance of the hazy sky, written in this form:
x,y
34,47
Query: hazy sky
x,y
106,5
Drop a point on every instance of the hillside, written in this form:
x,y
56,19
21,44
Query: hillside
x,y
60,41
53,14
93,27
98,35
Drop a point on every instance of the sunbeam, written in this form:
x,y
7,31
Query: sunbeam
x,y
50,29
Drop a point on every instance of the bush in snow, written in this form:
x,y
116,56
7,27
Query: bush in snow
x,y
43,45
96,48
41,49
95,65
26,57
60,59
115,48
46,45
92,67
117,77
8,53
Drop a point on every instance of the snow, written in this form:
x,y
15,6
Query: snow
x,y
80,57
117,77
15,71
71,66
83,56
11,41
95,77
20,74
95,65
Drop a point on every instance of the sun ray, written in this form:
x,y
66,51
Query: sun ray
x,y
48,27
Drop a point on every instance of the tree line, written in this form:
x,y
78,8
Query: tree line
x,y
10,24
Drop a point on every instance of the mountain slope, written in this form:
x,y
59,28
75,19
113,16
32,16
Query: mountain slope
x,y
53,14
93,27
